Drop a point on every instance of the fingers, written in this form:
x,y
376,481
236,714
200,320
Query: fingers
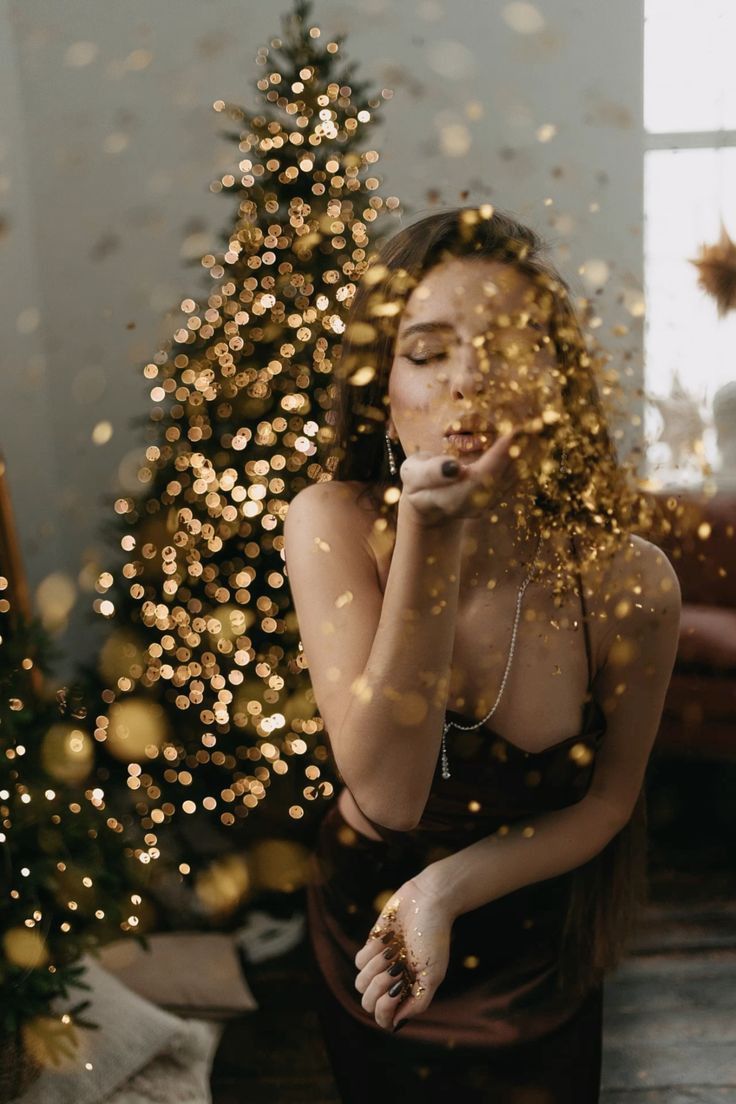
x,y
427,474
393,1011
383,977
380,988
370,949
386,993
373,968
492,459
492,463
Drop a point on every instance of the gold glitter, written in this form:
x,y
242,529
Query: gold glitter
x,y
347,836
380,903
621,653
581,754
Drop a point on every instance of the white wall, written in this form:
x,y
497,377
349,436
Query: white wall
x,y
108,146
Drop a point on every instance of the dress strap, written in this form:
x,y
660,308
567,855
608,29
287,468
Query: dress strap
x,y
586,630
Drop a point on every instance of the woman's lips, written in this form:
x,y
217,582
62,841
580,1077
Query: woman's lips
x,y
469,442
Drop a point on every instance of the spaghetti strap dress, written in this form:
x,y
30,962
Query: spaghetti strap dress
x,y
499,1028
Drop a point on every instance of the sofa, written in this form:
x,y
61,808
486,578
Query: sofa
x,y
698,534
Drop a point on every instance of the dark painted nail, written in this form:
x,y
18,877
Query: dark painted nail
x,y
387,937
391,952
399,1025
396,988
450,467
396,969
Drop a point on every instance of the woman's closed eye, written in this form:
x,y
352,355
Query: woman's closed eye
x,y
426,359
425,356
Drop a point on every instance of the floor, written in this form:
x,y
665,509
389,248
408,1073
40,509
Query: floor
x,y
669,1022
669,1031
669,1012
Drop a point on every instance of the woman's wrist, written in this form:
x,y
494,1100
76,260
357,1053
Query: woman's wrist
x,y
433,882
441,525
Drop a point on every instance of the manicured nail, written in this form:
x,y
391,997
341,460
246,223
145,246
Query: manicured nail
x,y
396,969
399,1025
450,467
387,937
391,952
396,988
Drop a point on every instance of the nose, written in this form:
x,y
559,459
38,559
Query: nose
x,y
467,377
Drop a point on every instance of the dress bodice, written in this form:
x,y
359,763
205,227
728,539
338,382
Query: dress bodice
x,y
494,780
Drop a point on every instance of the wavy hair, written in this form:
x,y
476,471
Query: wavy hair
x,y
593,496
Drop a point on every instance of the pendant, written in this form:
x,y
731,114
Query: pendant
x,y
445,760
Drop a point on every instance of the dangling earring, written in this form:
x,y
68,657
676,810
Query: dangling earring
x,y
391,458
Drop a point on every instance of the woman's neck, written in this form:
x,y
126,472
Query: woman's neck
x,y
499,545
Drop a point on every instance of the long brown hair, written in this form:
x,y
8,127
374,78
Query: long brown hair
x,y
593,494
593,500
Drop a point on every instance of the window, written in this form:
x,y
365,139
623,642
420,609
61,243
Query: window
x,y
689,189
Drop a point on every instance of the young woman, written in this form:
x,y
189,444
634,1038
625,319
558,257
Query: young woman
x,y
472,558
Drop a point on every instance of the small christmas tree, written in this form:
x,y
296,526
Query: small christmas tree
x,y
203,697
67,882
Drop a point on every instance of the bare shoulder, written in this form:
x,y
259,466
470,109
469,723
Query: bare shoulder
x,y
340,495
338,508
636,586
639,570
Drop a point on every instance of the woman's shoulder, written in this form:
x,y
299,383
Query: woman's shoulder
x,y
343,504
634,583
635,567
631,589
342,493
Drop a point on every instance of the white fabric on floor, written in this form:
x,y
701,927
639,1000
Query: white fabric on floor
x,y
139,1054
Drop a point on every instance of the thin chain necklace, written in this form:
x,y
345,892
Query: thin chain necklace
x,y
468,728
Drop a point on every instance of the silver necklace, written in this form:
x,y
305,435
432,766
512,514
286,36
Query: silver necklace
x,y
468,728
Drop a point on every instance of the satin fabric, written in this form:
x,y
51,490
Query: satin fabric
x,y
499,1003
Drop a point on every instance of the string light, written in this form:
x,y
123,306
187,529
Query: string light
x,y
200,653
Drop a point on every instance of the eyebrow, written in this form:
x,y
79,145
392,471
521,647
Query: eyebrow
x,y
426,327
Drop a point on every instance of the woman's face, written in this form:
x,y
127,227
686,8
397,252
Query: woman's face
x,y
474,340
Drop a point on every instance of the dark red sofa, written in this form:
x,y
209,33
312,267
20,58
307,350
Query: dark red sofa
x,y
698,534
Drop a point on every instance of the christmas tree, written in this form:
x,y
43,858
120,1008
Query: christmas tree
x,y
68,883
204,701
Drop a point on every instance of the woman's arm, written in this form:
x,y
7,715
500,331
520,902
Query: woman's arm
x,y
519,854
379,664
644,617
392,730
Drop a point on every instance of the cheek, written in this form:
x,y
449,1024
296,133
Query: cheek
x,y
410,391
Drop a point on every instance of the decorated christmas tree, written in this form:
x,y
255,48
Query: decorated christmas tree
x,y
204,703
69,879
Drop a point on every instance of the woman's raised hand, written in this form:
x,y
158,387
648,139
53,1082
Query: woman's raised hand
x,y
435,497
405,956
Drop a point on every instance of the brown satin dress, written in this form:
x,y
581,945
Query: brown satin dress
x,y
498,1028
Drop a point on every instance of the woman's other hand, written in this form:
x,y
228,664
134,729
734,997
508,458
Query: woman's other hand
x,y
439,488
406,954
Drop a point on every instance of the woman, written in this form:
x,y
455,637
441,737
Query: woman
x,y
473,884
